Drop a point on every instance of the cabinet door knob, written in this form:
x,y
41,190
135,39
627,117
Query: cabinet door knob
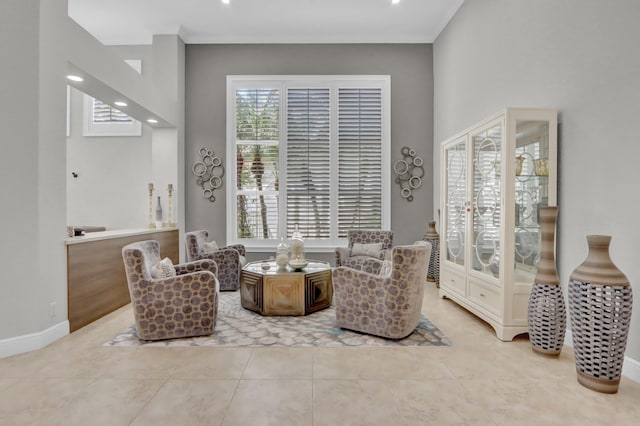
x,y
482,295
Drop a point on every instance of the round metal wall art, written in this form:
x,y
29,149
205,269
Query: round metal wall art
x,y
409,171
209,172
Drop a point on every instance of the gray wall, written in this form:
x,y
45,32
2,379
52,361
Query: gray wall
x,y
410,67
102,194
580,57
113,173
19,164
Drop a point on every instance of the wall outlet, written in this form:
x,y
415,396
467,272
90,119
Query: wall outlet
x,y
52,310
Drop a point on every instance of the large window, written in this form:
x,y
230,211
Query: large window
x,y
307,151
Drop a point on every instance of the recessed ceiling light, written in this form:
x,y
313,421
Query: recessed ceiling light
x,y
395,1
75,78
152,121
120,103
226,1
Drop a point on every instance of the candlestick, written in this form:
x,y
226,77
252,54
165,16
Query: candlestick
x,y
170,223
151,223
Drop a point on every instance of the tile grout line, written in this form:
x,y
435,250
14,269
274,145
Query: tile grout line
x,y
235,390
150,399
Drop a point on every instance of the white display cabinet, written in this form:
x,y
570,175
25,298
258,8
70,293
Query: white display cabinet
x,y
494,177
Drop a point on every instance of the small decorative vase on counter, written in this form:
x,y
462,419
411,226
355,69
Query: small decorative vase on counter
x,y
282,254
158,213
433,237
547,312
600,301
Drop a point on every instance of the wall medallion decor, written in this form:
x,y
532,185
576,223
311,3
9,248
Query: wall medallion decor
x,y
409,172
209,173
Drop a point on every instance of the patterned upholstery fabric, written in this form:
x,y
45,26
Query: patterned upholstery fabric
x,y
166,308
363,263
227,258
387,307
363,236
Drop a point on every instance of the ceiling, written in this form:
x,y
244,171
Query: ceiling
x,y
264,21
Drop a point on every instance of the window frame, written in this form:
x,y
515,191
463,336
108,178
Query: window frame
x,y
282,83
110,128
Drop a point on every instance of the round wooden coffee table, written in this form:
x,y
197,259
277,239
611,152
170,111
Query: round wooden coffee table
x,y
271,291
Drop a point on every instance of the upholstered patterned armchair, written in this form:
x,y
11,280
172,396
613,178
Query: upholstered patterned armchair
x,y
181,302
386,305
363,245
230,259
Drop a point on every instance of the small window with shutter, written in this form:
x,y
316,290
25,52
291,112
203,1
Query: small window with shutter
x,y
102,119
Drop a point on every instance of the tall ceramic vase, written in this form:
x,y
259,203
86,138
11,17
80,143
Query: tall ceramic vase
x,y
600,301
547,312
433,273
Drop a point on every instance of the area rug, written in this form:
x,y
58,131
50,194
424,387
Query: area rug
x,y
236,326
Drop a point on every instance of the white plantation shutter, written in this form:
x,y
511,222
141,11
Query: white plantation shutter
x,y
308,162
359,159
257,114
103,113
257,154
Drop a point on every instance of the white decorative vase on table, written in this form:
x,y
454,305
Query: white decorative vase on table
x,y
297,260
282,254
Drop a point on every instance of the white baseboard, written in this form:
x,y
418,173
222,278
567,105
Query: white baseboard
x,y
630,367
31,342
568,338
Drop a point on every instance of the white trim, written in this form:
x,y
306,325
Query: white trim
x,y
31,342
68,110
630,367
232,221
568,338
455,5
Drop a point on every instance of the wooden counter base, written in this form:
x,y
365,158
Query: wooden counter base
x,y
96,281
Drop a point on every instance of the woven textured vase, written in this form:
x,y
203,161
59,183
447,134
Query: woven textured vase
x,y
600,301
547,312
433,237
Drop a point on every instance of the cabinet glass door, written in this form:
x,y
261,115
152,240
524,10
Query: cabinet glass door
x,y
487,194
531,192
456,190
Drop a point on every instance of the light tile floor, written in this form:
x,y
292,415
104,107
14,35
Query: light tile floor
x,y
477,381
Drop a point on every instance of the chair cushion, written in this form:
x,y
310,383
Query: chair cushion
x,y
163,269
209,247
372,250
242,261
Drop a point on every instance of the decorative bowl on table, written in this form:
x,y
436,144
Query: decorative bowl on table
x,y
297,265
